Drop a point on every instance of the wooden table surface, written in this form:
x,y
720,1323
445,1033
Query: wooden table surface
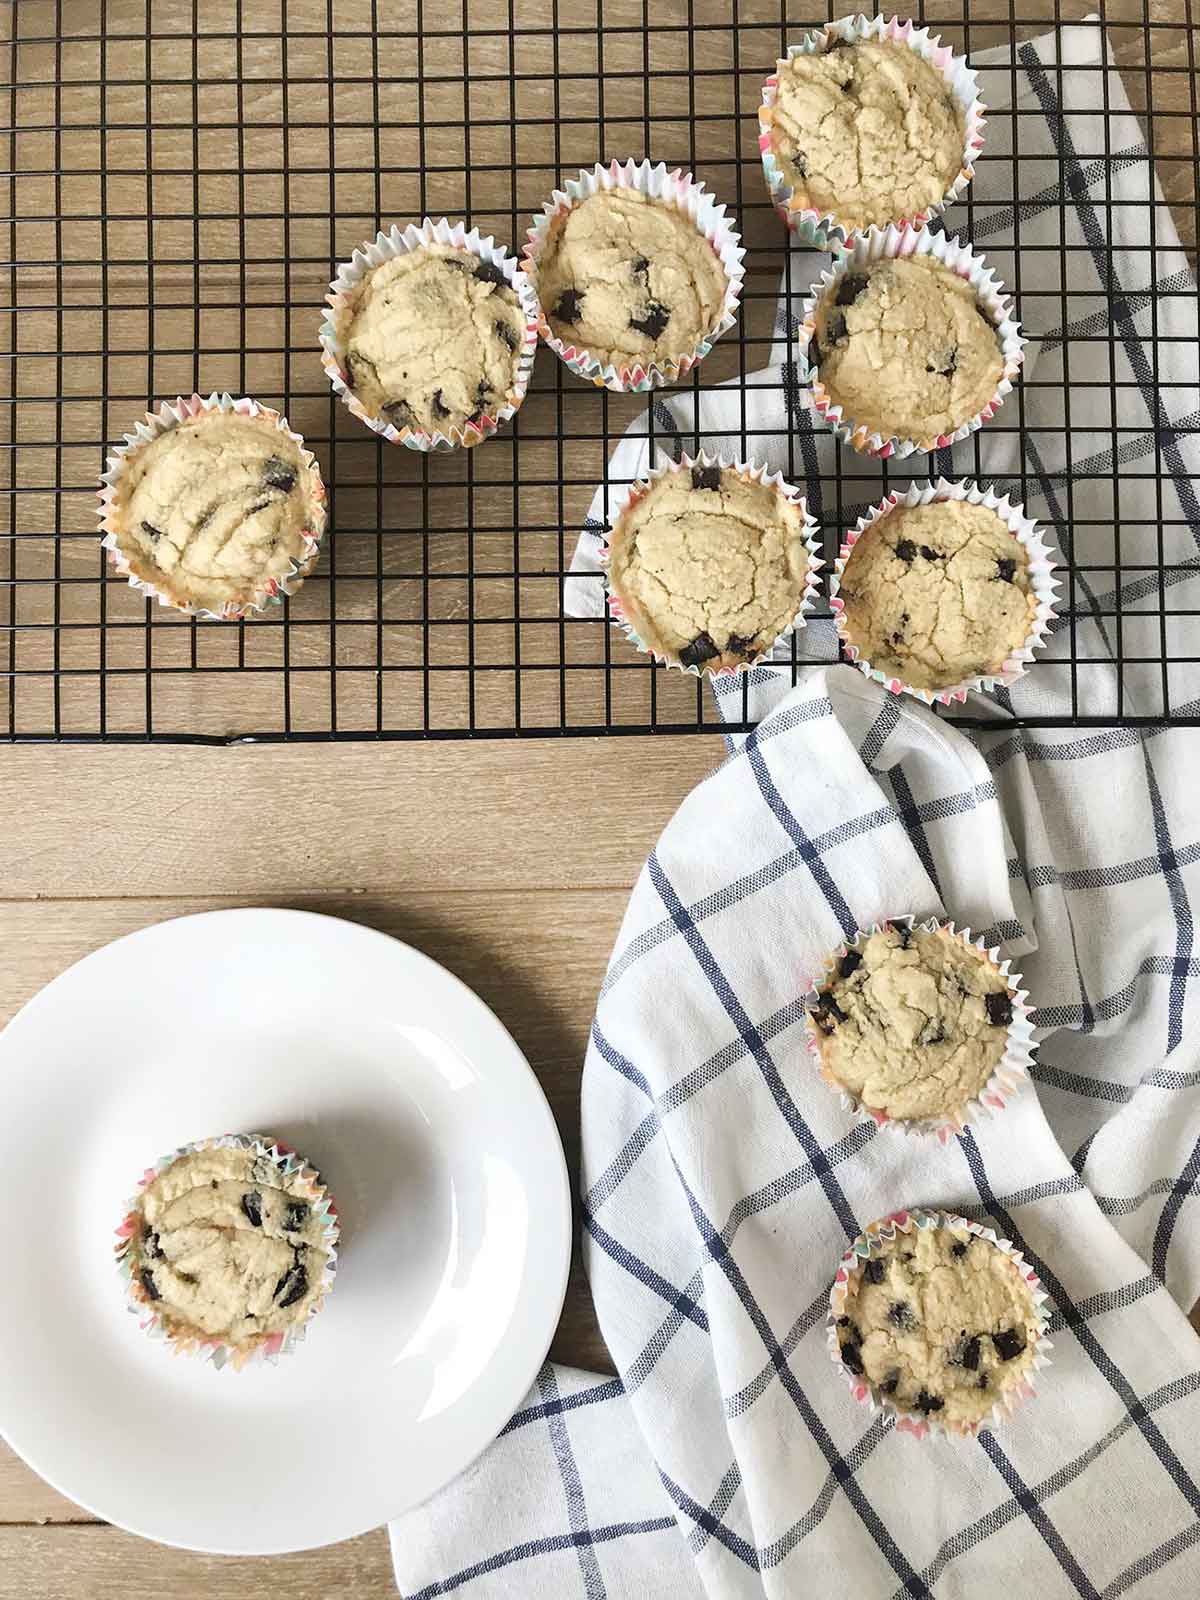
x,y
511,864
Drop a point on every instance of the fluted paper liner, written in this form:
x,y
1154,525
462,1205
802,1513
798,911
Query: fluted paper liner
x,y
870,1244
171,415
1042,579
1007,1076
824,229
679,190
879,244
340,301
747,469
303,1179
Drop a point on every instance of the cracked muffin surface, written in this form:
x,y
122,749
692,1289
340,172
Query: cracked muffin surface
x,y
942,1322
212,510
905,347
913,1024
867,132
433,339
710,566
630,279
938,594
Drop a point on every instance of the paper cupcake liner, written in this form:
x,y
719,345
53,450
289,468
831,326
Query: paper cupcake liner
x,y
1041,573
870,1244
385,247
305,1180
1007,1077
641,486
170,416
823,229
877,244
677,189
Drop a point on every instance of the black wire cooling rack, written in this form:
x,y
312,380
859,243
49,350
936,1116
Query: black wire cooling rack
x,y
183,176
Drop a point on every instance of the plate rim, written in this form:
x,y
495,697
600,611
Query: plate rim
x,y
564,1213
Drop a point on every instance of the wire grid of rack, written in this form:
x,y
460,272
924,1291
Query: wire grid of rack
x,y
182,177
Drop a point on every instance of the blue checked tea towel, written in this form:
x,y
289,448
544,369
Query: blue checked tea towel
x,y
722,1179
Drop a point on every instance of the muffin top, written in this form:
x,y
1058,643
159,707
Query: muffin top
x,y
906,348
938,594
630,279
942,1322
227,1245
433,339
867,132
913,1024
710,566
209,512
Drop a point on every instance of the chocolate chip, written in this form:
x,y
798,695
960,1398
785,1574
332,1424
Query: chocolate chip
x,y
149,1284
506,336
852,1355
483,398
935,1034
873,1271
930,555
851,286
1009,1343
569,307
706,477
400,413
1005,567
835,328
296,1215
654,323
151,531
843,1322
252,1206
892,1382
849,963
279,474
999,1009
945,364
898,636
151,1245
967,1354
828,1011
800,162
959,1247
926,1402
702,648
641,265
901,1314
739,644
907,551
905,937
440,408
292,1286
488,272
982,1383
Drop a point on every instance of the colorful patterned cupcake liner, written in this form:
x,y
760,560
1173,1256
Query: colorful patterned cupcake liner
x,y
871,1243
823,229
1041,573
303,1179
679,190
889,243
170,416
341,299
1007,1077
747,469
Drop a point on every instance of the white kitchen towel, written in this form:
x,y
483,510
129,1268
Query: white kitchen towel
x,y
722,1178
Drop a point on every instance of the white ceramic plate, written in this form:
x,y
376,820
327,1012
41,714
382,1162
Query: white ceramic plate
x,y
446,1167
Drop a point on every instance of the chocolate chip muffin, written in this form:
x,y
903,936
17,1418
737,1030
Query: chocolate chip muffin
x,y
215,512
938,594
630,279
433,339
867,131
906,348
228,1244
912,1024
709,566
941,1322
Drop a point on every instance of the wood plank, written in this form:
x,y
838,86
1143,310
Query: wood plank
x,y
96,1562
265,820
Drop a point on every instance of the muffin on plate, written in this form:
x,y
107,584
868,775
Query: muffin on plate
x,y
230,1247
